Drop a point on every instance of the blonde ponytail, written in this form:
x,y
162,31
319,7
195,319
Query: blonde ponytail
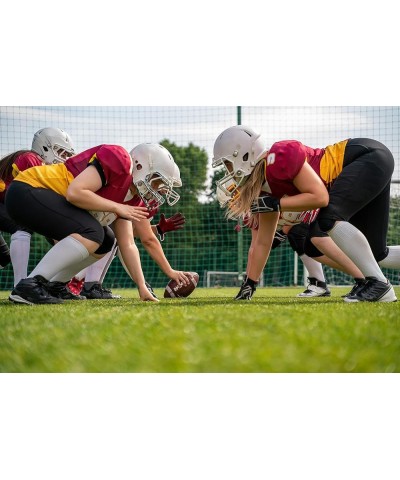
x,y
248,192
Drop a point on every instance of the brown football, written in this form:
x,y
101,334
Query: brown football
x,y
174,290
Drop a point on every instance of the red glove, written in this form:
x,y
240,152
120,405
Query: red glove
x,y
176,222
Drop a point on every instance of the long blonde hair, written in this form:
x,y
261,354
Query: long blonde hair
x,y
248,192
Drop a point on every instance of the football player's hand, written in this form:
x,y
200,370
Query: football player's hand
x,y
265,204
246,290
279,238
150,289
128,212
146,295
179,277
176,222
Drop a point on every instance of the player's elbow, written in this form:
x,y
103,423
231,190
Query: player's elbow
x,y
323,199
72,194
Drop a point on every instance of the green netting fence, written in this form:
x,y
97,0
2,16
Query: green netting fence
x,y
209,243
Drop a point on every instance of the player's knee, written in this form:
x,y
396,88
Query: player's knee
x,y
297,242
108,241
326,224
311,250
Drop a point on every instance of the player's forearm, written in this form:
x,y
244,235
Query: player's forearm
x,y
129,254
301,202
154,249
88,200
258,259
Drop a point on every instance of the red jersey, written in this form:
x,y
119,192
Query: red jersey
x,y
116,167
21,163
286,158
113,163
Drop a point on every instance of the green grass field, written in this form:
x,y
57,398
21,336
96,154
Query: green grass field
x,y
208,332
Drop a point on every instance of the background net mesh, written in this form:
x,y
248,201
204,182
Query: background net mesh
x,y
208,243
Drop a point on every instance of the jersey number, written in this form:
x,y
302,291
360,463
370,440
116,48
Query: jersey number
x,y
271,158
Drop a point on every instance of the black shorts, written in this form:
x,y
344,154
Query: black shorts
x,y
50,214
361,192
7,224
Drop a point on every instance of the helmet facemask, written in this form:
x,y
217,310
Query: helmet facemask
x,y
59,153
154,196
227,193
232,180
150,197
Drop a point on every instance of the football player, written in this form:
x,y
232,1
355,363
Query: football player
x,y
349,181
56,202
49,146
149,167
295,226
288,228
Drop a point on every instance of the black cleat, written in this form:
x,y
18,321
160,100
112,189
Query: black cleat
x,y
60,290
32,291
98,292
374,290
357,287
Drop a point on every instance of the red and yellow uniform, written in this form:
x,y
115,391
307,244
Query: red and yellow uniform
x,y
113,163
357,173
286,158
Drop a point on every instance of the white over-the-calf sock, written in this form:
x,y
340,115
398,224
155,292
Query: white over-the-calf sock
x,y
313,267
66,253
111,257
74,270
393,258
356,247
81,275
97,271
19,253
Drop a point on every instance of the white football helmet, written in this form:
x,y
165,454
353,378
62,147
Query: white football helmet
x,y
177,176
238,149
152,162
53,145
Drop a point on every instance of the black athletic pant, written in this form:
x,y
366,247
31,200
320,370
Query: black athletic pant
x,y
7,224
361,193
51,215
